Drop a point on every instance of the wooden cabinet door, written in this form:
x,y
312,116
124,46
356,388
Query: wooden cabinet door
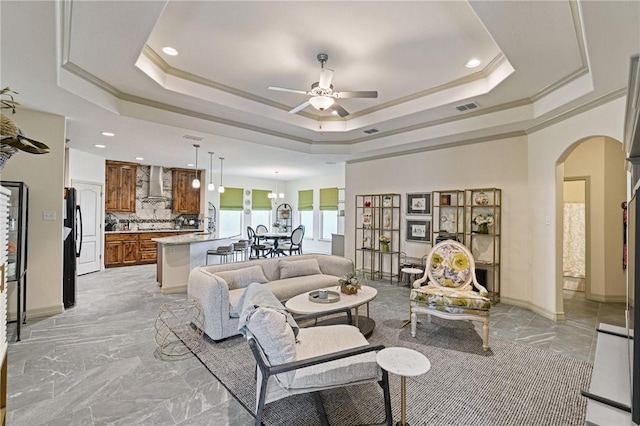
x,y
186,199
127,198
129,252
113,253
112,184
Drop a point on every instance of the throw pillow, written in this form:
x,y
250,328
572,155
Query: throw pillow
x,y
299,268
275,337
252,274
231,277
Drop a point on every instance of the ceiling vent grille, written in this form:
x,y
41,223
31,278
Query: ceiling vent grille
x,y
193,138
467,107
371,131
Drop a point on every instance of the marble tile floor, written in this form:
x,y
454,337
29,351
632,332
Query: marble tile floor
x,y
96,363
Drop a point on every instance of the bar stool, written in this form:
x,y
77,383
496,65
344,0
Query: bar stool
x,y
241,248
225,252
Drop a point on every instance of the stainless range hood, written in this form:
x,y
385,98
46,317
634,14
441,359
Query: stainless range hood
x,y
155,185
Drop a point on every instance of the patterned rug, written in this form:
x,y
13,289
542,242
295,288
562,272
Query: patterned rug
x,y
511,384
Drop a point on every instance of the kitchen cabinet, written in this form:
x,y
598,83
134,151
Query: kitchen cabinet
x,y
120,182
132,248
186,199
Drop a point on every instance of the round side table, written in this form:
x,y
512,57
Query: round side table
x,y
411,274
179,327
404,362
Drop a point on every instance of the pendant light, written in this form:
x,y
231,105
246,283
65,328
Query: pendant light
x,y
221,187
276,195
211,186
196,182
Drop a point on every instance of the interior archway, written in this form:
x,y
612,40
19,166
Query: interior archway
x,y
599,162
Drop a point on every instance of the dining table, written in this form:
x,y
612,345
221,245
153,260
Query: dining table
x,y
275,237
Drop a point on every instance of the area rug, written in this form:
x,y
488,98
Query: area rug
x,y
512,384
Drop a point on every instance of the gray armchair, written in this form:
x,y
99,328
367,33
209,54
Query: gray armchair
x,y
318,358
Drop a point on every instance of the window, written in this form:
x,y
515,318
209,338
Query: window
x,y
329,223
328,212
261,217
306,219
230,223
231,212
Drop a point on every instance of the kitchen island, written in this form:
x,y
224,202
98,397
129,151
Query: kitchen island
x,y
178,255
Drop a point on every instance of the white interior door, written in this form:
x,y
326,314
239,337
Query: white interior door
x,y
90,202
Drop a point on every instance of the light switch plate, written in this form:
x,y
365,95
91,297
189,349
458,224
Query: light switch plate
x,y
48,215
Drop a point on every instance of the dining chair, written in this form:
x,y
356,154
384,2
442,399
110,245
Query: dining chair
x,y
258,249
294,245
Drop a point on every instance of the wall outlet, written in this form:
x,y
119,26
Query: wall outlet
x,y
48,215
547,220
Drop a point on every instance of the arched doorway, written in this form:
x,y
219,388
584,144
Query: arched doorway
x,y
598,162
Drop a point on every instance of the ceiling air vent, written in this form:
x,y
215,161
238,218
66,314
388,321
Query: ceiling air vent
x,y
371,131
193,138
467,107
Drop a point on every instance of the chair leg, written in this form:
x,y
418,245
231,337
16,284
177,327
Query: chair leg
x,y
414,322
485,334
261,399
317,400
384,384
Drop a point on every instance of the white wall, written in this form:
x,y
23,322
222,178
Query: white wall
x,y
501,164
44,174
86,167
548,148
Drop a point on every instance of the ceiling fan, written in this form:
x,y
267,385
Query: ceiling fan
x,y
322,94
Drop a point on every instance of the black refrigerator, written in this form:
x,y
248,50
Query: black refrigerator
x,y
72,245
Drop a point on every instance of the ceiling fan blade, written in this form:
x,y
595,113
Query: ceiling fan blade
x,y
300,107
284,89
360,94
339,110
326,75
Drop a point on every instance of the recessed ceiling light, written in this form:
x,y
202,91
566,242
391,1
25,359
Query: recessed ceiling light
x,y
139,158
190,164
99,146
473,63
170,51
108,134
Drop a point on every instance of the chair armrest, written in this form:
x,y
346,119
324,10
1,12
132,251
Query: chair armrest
x,y
418,283
295,365
326,313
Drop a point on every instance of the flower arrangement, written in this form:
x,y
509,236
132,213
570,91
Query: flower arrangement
x,y
349,284
483,222
384,243
486,219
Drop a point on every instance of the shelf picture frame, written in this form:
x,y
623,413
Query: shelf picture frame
x,y
419,230
419,203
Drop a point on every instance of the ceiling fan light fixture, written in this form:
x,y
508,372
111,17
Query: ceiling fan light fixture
x,y
321,102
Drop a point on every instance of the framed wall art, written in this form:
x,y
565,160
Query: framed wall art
x,y
419,203
419,230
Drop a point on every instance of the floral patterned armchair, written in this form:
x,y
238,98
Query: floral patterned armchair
x,y
450,278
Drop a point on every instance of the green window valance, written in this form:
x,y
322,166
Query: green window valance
x,y
231,199
305,200
260,200
328,198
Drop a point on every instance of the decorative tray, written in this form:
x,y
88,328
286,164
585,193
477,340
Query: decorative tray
x,y
332,296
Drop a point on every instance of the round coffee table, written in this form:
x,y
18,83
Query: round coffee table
x,y
301,305
403,362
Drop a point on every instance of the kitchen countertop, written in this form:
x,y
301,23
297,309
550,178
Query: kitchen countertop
x,y
153,230
200,237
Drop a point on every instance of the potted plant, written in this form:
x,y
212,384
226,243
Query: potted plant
x,y
349,284
12,140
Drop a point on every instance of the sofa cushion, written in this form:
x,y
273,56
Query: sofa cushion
x,y
314,341
298,268
276,338
290,287
240,278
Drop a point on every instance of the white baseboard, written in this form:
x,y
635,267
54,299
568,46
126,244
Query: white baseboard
x,y
46,312
554,316
173,290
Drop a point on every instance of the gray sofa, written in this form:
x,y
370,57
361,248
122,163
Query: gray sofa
x,y
218,288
